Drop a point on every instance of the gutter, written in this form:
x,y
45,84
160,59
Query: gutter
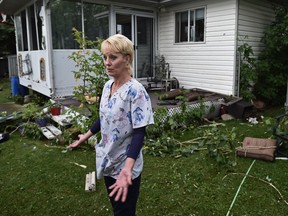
x,y
236,60
49,48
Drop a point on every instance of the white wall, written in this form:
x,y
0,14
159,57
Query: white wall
x,y
209,65
254,17
33,80
63,68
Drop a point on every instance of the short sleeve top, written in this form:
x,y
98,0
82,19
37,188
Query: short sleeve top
x,y
128,108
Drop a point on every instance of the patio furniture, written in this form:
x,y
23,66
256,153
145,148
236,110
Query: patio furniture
x,y
160,75
258,148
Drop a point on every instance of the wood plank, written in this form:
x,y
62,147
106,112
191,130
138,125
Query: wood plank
x,y
54,130
47,133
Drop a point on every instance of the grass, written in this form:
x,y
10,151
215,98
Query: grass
x,y
40,179
5,94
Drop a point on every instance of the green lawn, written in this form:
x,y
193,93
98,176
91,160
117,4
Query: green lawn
x,y
5,93
39,179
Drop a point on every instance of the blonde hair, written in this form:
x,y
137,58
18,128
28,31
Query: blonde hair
x,y
120,43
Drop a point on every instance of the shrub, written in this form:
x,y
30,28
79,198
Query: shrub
x,y
272,65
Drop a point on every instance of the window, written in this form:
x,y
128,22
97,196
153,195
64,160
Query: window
x,y
190,25
64,16
68,14
40,24
34,30
21,27
96,21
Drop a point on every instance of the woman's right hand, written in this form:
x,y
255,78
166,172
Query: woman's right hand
x,y
77,142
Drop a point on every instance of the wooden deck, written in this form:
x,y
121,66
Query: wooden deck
x,y
172,104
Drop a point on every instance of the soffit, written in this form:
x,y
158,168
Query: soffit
x,y
10,7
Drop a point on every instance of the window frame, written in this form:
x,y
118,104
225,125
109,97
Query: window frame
x,y
81,9
177,27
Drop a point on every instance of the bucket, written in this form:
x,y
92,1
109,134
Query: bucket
x,y
15,85
18,89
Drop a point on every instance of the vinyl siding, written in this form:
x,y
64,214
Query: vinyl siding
x,y
209,65
254,17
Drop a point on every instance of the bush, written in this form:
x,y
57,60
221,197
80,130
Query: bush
x,y
272,65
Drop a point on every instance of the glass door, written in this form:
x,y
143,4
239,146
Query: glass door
x,y
140,31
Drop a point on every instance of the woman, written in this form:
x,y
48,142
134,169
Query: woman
x,y
125,111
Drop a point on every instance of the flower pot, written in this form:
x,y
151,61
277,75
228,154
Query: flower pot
x,y
55,111
42,122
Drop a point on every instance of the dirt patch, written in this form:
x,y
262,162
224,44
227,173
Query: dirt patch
x,y
10,107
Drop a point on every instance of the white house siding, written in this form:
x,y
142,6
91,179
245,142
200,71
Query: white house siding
x,y
63,67
209,65
254,17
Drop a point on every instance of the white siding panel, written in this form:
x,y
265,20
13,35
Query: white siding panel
x,y
254,17
208,65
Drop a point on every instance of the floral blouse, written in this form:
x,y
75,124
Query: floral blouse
x,y
128,108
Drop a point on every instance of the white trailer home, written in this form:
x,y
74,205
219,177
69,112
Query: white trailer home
x,y
199,38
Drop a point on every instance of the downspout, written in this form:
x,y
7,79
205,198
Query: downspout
x,y
49,46
237,60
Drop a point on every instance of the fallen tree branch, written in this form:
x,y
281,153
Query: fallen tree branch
x,y
261,180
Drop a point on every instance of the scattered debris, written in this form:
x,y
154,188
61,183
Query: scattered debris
x,y
281,158
50,131
258,104
4,137
261,180
83,166
226,117
90,182
253,120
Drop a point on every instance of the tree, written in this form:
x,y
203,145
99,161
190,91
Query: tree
x,y
7,38
272,67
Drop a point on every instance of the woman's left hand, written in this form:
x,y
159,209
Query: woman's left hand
x,y
120,188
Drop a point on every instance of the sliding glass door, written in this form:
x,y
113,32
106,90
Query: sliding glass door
x,y
139,30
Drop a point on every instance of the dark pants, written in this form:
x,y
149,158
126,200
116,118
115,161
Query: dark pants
x,y
128,208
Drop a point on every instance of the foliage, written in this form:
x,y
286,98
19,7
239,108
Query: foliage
x,y
160,124
53,104
38,98
272,66
7,38
220,144
31,130
172,124
162,136
31,111
187,115
247,72
91,72
278,126
169,146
